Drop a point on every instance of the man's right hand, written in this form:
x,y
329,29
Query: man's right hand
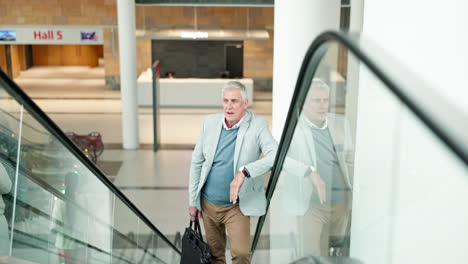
x,y
194,213
319,185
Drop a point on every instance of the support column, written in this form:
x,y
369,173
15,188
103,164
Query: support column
x,y
296,26
128,75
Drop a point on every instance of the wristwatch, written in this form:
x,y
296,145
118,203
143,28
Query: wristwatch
x,y
244,171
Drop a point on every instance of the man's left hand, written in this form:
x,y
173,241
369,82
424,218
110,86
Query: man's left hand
x,y
236,184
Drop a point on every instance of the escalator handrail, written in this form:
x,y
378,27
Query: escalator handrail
x,y
414,93
23,99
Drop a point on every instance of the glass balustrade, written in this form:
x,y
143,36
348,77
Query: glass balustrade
x,y
54,208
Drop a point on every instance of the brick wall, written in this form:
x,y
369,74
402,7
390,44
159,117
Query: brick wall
x,y
143,54
258,57
104,13
58,12
207,17
111,57
258,62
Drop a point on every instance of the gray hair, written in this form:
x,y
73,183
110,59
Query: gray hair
x,y
235,85
319,84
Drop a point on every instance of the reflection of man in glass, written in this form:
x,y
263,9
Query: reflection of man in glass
x,y
5,187
316,157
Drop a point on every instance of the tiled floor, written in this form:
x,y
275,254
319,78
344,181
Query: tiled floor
x,y
75,98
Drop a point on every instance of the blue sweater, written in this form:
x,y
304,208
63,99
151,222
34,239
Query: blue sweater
x,y
217,186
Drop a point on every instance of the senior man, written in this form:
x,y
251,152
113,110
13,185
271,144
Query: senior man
x,y
226,186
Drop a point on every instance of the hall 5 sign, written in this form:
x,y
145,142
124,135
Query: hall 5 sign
x,y
48,35
64,35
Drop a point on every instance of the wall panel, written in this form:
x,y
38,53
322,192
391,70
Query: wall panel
x,y
15,61
65,55
3,63
22,57
143,55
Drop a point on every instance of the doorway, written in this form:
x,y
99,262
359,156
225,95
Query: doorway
x,y
234,59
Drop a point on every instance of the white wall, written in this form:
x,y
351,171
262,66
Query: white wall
x,y
428,36
410,195
297,23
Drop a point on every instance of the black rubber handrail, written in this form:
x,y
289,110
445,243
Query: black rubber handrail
x,y
449,126
23,99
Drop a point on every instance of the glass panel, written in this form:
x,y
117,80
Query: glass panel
x,y
56,215
363,177
408,186
9,132
145,244
125,242
149,251
53,209
165,252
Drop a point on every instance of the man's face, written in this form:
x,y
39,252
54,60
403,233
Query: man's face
x,y
316,105
234,106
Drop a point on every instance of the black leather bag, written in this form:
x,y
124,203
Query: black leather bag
x,y
194,249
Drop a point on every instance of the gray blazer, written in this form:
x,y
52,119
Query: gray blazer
x,y
253,139
295,175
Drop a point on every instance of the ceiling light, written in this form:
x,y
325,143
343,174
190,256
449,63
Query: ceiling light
x,y
193,35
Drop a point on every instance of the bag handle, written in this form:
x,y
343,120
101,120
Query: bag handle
x,y
197,228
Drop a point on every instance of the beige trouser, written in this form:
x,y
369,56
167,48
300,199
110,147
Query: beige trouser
x,y
319,223
216,220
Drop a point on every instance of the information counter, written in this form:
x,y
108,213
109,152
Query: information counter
x,y
186,92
